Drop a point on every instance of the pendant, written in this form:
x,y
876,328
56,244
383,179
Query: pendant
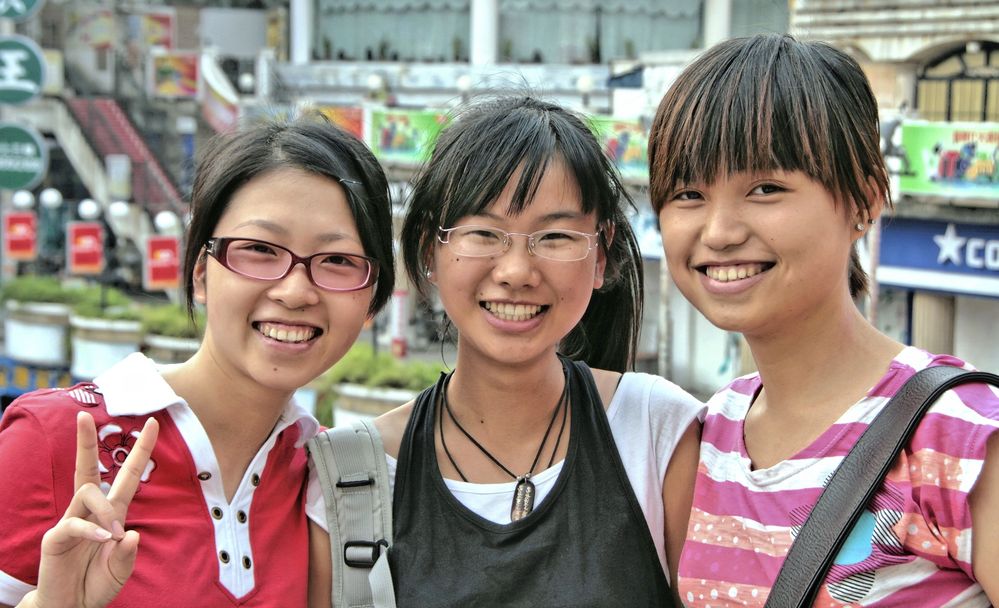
x,y
523,498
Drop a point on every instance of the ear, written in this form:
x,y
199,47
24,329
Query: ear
x,y
200,291
876,204
430,273
606,238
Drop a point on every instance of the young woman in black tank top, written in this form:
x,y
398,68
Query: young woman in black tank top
x,y
509,488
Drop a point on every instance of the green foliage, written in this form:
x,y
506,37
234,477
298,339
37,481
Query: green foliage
x,y
171,320
97,302
31,288
362,366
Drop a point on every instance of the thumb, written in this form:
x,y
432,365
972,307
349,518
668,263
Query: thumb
x,y
121,560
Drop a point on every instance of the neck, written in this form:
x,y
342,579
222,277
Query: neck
x,y
834,359
505,399
237,415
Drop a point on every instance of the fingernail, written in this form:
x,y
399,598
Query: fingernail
x,y
117,530
102,534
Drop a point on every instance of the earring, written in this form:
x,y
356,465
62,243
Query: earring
x,y
859,226
429,274
872,221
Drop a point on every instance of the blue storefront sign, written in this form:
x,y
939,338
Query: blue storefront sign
x,y
940,256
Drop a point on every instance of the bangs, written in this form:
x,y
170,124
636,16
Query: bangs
x,y
479,154
757,107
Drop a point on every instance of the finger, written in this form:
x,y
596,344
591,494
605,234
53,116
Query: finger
x,y
128,477
121,561
90,503
87,470
69,532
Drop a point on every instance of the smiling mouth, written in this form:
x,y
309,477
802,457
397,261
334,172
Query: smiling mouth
x,y
513,312
284,333
727,274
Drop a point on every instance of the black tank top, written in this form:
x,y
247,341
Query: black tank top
x,y
586,544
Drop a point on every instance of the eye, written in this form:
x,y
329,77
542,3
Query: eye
x,y
764,189
255,247
685,198
555,236
482,233
340,259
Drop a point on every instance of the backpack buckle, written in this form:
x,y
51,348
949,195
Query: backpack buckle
x,y
362,553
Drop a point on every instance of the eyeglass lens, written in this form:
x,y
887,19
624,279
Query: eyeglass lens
x,y
563,245
262,260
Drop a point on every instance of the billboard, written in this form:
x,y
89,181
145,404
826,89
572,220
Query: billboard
x,y
951,160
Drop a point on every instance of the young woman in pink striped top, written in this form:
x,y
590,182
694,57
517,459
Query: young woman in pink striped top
x,y
766,171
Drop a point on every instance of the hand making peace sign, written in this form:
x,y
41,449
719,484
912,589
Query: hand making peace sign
x,y
88,555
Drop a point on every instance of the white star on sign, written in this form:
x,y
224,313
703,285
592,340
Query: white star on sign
x,y
950,246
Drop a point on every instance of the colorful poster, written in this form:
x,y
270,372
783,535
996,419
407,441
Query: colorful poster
x,y
950,159
162,264
84,248
350,119
92,27
404,136
20,236
155,29
626,143
173,75
219,100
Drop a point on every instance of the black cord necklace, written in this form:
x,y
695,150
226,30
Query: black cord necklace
x,y
523,494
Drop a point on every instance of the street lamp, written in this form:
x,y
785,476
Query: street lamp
x,y
50,198
584,84
88,209
376,86
166,222
22,200
464,84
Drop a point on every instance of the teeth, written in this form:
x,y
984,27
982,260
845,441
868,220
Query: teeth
x,y
282,333
725,274
513,312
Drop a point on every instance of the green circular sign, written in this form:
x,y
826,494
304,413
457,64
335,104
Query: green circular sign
x,y
19,10
22,69
24,159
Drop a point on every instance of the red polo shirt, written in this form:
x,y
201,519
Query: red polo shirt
x,y
196,549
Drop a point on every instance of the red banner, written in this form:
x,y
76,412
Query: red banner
x,y
20,236
162,264
84,248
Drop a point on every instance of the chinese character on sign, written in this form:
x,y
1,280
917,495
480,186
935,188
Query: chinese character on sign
x,y
22,69
19,10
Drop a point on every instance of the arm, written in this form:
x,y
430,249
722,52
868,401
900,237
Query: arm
x,y
984,504
87,556
320,568
678,494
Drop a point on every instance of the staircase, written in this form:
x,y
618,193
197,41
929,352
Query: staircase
x,y
110,131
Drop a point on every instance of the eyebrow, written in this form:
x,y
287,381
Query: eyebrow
x,y
551,217
326,237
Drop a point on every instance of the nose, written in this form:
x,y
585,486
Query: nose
x,y
723,226
296,290
516,267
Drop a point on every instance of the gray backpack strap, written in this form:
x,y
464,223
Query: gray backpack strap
x,y
350,464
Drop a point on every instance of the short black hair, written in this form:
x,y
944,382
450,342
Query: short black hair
x,y
475,157
770,102
309,143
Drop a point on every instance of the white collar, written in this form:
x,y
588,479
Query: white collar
x,y
134,387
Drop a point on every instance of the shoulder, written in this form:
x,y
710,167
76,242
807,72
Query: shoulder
x,y
973,401
55,406
392,426
607,383
652,402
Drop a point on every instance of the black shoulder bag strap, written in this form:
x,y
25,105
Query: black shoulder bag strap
x,y
855,480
